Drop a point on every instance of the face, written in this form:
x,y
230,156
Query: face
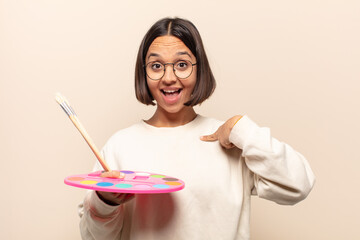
x,y
170,92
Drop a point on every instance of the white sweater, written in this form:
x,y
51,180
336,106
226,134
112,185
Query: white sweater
x,y
215,203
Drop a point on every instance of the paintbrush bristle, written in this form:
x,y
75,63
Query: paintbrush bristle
x,y
59,98
64,104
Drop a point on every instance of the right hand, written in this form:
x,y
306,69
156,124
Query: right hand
x,y
112,198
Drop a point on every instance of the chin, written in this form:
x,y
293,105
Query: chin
x,y
173,109
176,108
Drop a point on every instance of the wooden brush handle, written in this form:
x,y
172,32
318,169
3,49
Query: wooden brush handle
x,y
89,141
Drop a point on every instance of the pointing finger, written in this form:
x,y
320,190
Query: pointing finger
x,y
209,138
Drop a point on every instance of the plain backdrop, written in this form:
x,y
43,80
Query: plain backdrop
x,y
292,66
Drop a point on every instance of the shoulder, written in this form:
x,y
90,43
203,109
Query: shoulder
x,y
209,123
210,120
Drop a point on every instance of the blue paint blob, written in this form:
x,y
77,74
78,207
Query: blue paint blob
x,y
127,172
104,184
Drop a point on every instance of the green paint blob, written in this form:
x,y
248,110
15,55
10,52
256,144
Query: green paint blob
x,y
157,176
123,185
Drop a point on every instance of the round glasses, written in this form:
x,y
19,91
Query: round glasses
x,y
156,70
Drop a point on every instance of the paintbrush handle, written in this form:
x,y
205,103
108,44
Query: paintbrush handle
x,y
89,141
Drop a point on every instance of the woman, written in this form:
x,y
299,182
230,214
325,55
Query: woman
x,y
221,170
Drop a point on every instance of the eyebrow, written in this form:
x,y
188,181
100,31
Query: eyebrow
x,y
153,55
184,53
178,53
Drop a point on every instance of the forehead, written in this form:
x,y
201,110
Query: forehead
x,y
168,46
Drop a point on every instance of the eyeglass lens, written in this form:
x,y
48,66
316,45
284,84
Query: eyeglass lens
x,y
156,70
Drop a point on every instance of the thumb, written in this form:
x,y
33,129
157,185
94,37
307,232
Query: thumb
x,y
209,138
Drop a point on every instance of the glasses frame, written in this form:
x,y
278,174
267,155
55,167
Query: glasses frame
x,y
173,68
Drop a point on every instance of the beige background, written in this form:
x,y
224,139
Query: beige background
x,y
292,66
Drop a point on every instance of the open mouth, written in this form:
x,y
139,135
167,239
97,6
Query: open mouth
x,y
170,93
171,96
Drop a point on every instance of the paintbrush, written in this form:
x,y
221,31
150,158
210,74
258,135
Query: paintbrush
x,y
75,120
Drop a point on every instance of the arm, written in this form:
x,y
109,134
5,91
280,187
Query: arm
x,y
102,212
98,219
280,173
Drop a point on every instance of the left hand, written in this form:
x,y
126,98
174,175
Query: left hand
x,y
223,133
112,198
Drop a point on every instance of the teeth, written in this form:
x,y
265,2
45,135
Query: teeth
x,y
169,91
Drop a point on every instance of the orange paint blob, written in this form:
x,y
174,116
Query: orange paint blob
x,y
173,183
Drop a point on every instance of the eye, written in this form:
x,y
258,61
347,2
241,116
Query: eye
x,y
156,66
181,65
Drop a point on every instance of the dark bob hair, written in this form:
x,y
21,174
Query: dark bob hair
x,y
189,35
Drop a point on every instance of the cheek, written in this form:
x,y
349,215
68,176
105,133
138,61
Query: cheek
x,y
190,84
151,85
193,79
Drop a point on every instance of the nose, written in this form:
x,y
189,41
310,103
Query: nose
x,y
169,75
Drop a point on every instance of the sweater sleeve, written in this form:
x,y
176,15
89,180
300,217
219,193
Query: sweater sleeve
x,y
99,220
281,174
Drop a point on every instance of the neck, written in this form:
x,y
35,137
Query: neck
x,y
162,118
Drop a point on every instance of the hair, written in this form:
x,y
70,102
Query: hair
x,y
189,35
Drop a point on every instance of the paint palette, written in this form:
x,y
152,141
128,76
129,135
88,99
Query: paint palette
x,y
133,182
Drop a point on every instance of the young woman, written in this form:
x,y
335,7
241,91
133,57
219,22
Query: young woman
x,y
222,163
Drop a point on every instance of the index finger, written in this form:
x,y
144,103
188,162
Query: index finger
x,y
209,138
